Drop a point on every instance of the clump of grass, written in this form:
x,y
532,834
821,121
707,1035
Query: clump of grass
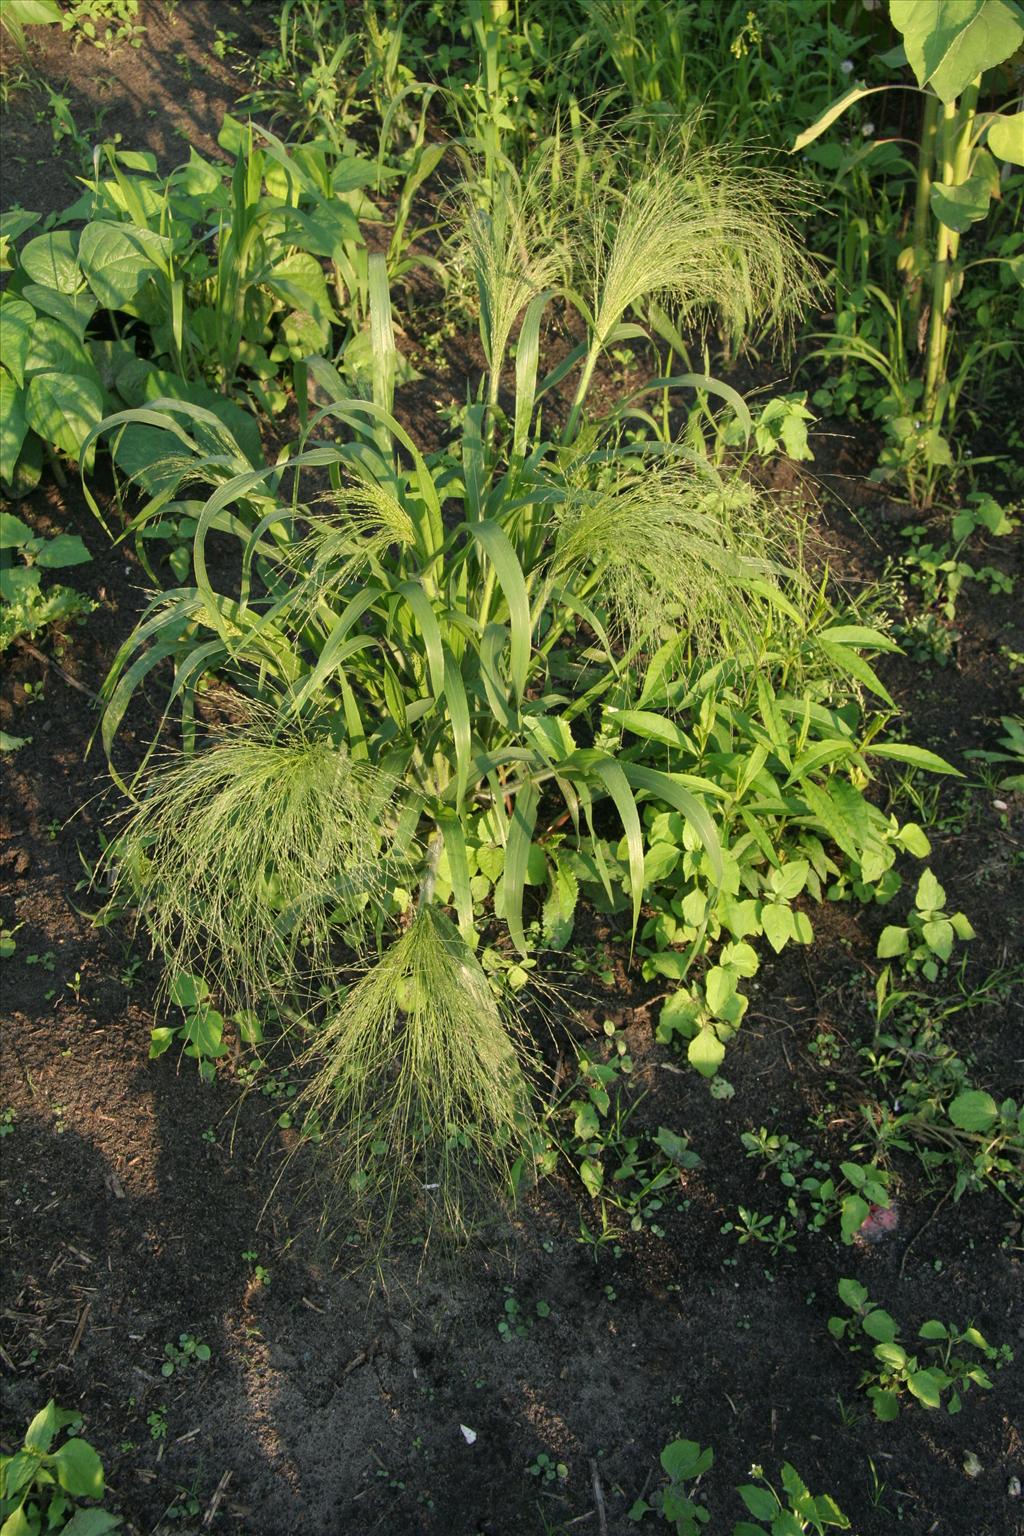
x,y
362,523
673,544
419,1089
245,858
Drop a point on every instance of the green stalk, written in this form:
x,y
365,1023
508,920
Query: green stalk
x,y
957,125
922,201
589,364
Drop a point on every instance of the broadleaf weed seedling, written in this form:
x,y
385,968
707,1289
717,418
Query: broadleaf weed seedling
x,y
897,1372
189,1351
926,942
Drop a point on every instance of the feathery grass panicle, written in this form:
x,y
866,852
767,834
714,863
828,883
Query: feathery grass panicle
x,y
420,1092
515,249
365,521
671,545
243,855
702,230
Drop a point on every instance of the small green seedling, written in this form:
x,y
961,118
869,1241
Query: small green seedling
x,y
548,1471
202,1033
259,1273
929,1376
188,1351
796,1512
24,557
157,1422
40,1487
926,943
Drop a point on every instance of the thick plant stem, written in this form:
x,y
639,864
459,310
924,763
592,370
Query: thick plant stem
x,y
429,880
957,126
922,202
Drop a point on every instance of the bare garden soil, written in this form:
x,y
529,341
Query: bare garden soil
x,y
334,1402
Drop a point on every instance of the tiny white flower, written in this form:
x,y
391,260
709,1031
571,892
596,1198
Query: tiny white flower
x,y
847,66
867,130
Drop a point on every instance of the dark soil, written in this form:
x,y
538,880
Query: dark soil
x,y
133,1193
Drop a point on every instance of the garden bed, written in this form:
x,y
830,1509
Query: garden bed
x,y
530,1382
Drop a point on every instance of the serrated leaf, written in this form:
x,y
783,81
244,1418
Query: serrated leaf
x,y
62,550
974,1111
761,1504
560,907
592,1175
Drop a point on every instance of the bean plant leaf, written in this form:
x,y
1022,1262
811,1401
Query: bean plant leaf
x,y
13,425
926,1387
52,348
118,260
40,1433
949,42
63,408
74,310
52,261
92,1522
706,1052
16,318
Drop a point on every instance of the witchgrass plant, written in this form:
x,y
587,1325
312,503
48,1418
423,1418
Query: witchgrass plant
x,y
253,853
418,1086
429,653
